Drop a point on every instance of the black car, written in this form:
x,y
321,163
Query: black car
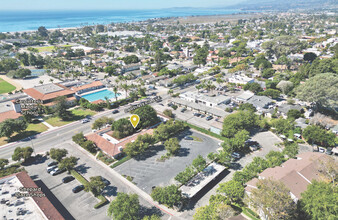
x,y
105,181
115,111
209,118
52,163
67,179
77,188
188,138
183,109
202,116
197,114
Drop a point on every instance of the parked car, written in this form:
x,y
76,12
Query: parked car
x,y
52,163
197,114
321,150
84,120
115,111
188,138
236,155
315,148
202,116
329,151
50,169
78,188
67,179
106,182
161,104
57,171
209,118
183,110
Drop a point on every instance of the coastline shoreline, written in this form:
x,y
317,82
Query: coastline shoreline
x,y
159,19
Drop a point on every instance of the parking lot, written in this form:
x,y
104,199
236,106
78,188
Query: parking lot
x,y
148,172
189,117
81,205
75,203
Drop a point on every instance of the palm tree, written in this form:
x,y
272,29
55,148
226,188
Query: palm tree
x,y
125,87
115,88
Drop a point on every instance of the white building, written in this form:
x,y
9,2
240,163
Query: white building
x,y
240,79
206,100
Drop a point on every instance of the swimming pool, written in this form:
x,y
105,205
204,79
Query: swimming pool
x,y
100,95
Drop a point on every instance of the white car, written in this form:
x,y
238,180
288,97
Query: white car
x,y
321,150
84,120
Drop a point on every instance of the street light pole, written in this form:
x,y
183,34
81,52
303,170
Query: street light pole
x,y
32,146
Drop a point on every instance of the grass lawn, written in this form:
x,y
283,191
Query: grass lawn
x,y
6,87
32,129
49,48
56,121
78,113
83,112
197,138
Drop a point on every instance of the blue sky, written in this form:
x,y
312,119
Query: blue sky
x,y
108,4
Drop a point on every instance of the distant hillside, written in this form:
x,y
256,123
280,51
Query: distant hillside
x,y
286,4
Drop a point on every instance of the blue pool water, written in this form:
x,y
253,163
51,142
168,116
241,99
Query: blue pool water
x,y
100,95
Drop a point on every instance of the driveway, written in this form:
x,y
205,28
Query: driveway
x,y
148,172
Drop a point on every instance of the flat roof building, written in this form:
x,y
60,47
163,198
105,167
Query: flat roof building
x,y
18,203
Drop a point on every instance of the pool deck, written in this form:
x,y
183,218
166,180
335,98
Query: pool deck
x,y
121,96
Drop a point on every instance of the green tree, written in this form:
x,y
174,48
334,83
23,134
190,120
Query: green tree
x,y
293,114
151,217
22,153
321,89
309,57
273,199
42,31
291,150
315,134
172,146
168,113
237,143
253,87
3,163
217,209
58,154
238,121
61,108
272,93
247,106
124,207
199,163
68,163
200,57
8,64
89,146
122,128
101,122
267,73
232,189
148,116
275,158
79,138
9,126
169,195
95,185
320,201
282,126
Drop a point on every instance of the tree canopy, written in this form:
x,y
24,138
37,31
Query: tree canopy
x,y
124,206
321,89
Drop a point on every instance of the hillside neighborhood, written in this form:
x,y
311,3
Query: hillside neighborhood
x,y
238,119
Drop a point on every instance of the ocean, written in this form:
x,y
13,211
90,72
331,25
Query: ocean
x,y
11,21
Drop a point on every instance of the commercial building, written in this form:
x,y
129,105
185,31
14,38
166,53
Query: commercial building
x,y
21,198
210,101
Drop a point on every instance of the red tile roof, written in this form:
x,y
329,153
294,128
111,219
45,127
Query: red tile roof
x,y
42,202
9,115
87,86
38,95
113,149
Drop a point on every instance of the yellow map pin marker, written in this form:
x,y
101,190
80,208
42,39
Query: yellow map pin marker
x,y
134,119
